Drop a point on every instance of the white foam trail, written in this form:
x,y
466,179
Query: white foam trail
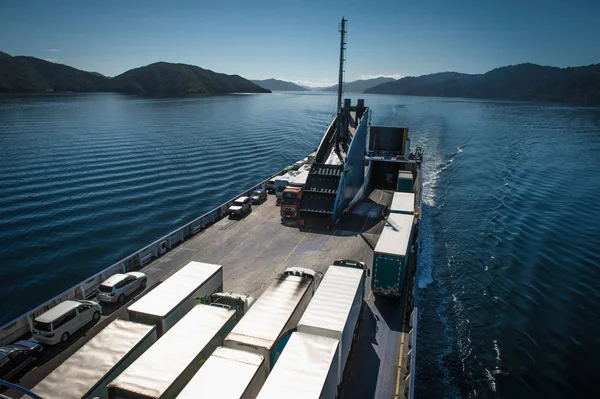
x,y
426,255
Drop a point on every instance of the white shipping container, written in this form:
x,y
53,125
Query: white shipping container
x,y
275,313
246,373
164,369
396,235
87,372
166,304
403,203
335,309
307,369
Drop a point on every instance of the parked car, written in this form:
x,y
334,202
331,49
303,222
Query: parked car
x,y
258,197
15,357
59,323
270,186
118,286
240,207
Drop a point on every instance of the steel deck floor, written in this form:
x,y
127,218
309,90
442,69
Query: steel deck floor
x,y
253,251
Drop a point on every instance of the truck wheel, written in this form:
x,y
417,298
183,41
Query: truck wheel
x,y
64,337
121,298
96,316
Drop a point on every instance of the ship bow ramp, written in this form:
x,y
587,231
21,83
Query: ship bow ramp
x,y
338,171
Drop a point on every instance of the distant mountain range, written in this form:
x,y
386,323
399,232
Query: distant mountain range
x,y
358,86
526,82
29,75
279,85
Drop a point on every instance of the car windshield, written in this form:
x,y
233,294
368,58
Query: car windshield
x,y
4,349
290,201
256,194
104,288
42,326
238,203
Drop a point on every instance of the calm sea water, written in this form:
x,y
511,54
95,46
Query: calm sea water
x,y
511,223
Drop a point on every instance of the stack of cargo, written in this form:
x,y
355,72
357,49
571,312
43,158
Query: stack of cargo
x,y
248,373
335,310
89,370
266,326
172,299
164,369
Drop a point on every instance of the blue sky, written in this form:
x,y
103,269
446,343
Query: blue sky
x,y
299,41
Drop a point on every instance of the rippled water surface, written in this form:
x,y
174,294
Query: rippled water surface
x,y
511,223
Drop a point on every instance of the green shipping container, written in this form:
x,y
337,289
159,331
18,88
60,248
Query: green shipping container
x,y
391,255
405,181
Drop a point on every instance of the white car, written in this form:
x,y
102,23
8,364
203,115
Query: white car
x,y
60,322
118,286
240,207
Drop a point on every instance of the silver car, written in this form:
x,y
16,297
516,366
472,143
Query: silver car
x,y
118,286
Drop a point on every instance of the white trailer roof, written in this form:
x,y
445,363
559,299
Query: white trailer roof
x,y
210,381
295,176
302,368
265,320
170,293
80,373
403,202
300,178
395,236
331,305
157,368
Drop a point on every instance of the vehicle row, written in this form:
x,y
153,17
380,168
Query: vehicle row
x,y
183,337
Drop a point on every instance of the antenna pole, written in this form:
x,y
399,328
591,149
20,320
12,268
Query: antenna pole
x,y
342,30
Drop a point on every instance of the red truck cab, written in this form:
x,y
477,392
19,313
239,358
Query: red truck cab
x,y
290,202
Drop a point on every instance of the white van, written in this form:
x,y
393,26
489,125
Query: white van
x,y
60,322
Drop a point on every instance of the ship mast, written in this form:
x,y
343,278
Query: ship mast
x,y
342,29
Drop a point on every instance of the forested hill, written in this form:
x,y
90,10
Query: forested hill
x,y
527,82
31,75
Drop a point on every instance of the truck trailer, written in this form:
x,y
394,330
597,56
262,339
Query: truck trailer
x,y
267,325
307,369
241,303
293,178
403,203
87,372
166,304
391,255
334,311
167,367
246,373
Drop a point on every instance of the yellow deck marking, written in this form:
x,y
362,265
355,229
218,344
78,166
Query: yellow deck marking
x,y
401,350
399,365
296,247
269,244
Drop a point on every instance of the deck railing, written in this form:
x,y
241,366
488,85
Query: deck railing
x,y
22,325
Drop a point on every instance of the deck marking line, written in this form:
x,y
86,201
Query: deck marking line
x,y
399,364
401,349
269,244
296,247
